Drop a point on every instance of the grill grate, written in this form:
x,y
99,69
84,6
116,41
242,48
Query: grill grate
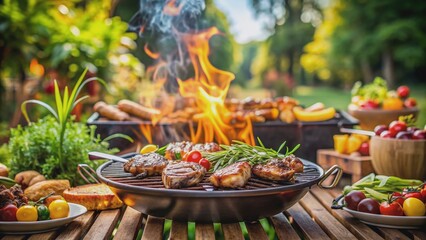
x,y
115,173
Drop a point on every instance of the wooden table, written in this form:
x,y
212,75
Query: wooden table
x,y
311,218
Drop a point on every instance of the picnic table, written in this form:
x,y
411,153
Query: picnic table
x,y
311,218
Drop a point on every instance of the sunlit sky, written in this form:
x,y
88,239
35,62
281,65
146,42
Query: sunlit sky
x,y
244,25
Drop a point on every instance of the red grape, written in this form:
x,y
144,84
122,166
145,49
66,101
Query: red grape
x,y
386,134
369,205
419,134
353,198
379,129
404,135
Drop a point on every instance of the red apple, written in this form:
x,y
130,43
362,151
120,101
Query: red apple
x,y
403,91
364,149
370,104
397,126
410,103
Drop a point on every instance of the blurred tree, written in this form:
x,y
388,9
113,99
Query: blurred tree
x,y
292,22
375,36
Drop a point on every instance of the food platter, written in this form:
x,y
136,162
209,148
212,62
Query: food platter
x,y
76,210
378,220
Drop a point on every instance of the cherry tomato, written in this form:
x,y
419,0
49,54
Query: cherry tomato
x,y
396,127
417,195
27,213
393,209
364,149
43,212
423,193
397,197
8,213
369,205
205,163
414,207
403,91
193,156
59,209
353,198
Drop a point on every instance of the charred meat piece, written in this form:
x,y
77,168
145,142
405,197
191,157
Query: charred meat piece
x,y
177,150
294,163
145,165
276,170
232,176
182,174
13,195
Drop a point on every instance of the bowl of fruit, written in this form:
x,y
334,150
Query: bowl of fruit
x,y
373,104
399,150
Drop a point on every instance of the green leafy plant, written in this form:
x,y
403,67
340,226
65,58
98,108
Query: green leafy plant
x,y
56,145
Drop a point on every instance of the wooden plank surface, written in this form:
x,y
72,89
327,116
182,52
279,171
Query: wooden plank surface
x,y
179,230
104,225
77,228
232,231
130,224
417,234
283,228
13,237
153,229
327,222
359,229
204,231
309,228
44,236
256,231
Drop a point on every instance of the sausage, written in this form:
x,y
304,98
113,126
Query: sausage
x,y
137,110
110,112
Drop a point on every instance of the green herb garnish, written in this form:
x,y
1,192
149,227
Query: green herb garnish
x,y
239,151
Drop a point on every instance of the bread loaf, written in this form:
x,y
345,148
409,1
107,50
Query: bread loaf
x,y
44,188
93,197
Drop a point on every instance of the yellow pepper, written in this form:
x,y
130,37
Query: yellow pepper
x,y
340,143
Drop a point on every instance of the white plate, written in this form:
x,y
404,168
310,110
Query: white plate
x,y
399,222
76,210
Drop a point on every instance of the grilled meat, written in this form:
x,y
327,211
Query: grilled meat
x,y
276,169
145,165
181,148
232,176
294,163
182,174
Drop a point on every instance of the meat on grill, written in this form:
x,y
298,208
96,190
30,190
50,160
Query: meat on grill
x,y
294,163
232,176
145,165
182,174
276,170
175,149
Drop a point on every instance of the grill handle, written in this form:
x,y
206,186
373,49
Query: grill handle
x,y
334,169
100,155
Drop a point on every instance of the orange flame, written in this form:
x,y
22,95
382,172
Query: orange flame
x,y
209,86
36,68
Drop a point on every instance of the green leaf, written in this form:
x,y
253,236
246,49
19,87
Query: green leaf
x,y
118,135
43,104
58,100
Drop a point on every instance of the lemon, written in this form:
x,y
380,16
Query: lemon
x,y
149,148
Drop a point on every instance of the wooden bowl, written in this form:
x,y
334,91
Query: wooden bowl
x,y
369,119
399,157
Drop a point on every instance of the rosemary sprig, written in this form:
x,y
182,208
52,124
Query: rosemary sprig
x,y
240,151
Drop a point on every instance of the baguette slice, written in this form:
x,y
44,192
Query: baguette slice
x,y
93,197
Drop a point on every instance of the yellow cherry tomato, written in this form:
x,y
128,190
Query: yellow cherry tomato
x,y
27,213
59,209
413,207
149,149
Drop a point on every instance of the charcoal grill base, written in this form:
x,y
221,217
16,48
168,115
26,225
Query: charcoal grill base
x,y
205,204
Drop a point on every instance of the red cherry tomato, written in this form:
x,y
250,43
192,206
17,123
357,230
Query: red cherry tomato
x,y
403,91
193,156
417,195
423,193
397,126
205,163
364,149
397,197
393,209
8,213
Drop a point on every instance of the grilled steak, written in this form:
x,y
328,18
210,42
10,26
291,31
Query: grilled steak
x,y
146,165
181,148
182,174
276,169
294,163
232,176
